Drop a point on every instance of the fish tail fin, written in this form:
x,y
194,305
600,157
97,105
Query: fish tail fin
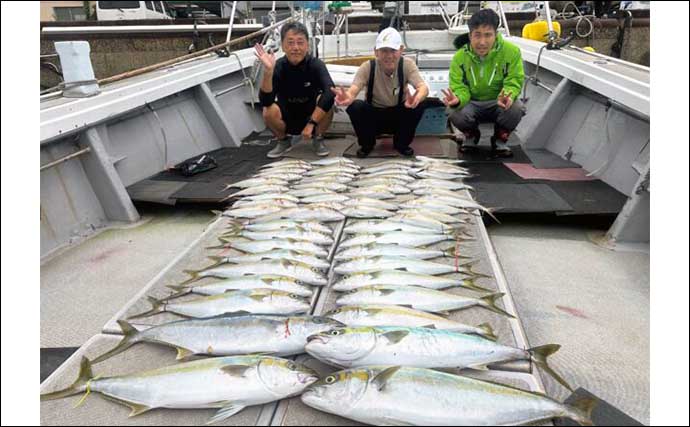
x,y
487,331
221,246
195,275
489,302
451,252
130,338
490,212
539,356
157,306
468,267
226,198
470,284
581,409
180,291
78,386
217,260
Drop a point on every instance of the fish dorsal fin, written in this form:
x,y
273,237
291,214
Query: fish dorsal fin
x,y
386,292
183,353
431,326
236,370
257,297
228,410
380,380
395,337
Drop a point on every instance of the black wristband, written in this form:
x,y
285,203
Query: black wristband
x,y
313,122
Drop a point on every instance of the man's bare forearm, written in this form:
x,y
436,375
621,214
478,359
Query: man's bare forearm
x,y
267,81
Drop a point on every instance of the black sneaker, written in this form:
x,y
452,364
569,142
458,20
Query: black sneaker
x,y
406,152
362,153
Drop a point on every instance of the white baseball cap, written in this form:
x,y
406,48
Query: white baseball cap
x,y
389,38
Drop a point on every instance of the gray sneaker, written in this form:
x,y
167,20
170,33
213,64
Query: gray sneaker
x,y
319,147
282,147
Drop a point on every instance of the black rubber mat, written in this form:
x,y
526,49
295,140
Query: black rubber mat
x,y
52,358
498,186
482,154
520,198
589,197
544,159
491,172
204,192
229,161
603,414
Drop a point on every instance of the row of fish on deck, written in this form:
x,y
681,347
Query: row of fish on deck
x,y
405,219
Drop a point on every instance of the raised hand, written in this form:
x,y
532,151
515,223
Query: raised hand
x,y
267,59
449,98
504,100
342,97
410,101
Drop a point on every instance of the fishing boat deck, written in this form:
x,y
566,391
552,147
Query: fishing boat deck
x,y
596,306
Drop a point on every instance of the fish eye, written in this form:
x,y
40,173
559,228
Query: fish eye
x,y
330,379
335,332
336,311
291,366
295,296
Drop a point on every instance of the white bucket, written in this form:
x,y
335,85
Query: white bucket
x,y
76,68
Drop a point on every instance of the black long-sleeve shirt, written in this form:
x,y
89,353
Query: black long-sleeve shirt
x,y
300,84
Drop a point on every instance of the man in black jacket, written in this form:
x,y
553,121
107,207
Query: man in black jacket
x,y
302,86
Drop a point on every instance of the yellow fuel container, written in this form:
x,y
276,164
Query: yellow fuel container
x,y
539,30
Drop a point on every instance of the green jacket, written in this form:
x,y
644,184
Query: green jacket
x,y
473,79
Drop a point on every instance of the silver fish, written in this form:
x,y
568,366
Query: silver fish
x,y
329,161
394,315
269,196
294,234
430,186
257,210
379,192
246,301
364,227
379,263
404,278
325,198
374,250
279,267
259,246
251,182
419,396
228,383
375,203
277,283
296,256
260,189
397,238
282,224
305,213
419,298
420,348
321,185
227,335
363,211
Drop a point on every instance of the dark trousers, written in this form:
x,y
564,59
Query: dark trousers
x,y
468,117
370,121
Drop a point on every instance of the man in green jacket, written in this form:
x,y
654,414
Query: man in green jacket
x,y
486,77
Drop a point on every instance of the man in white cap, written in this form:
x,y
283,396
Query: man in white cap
x,y
389,106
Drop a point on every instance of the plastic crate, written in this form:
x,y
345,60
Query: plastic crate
x,y
433,122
